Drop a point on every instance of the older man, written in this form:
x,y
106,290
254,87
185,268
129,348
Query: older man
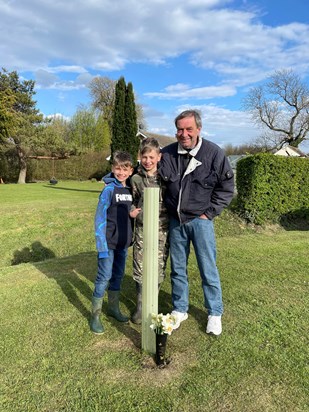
x,y
200,184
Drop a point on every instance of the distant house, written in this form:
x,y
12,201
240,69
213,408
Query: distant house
x,y
290,151
233,159
162,139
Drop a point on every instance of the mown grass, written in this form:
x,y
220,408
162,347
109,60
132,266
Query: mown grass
x,y
51,362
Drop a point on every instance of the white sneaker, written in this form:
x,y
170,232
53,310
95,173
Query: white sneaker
x,y
180,317
214,325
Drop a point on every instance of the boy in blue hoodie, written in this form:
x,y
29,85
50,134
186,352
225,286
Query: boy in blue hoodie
x,y
113,232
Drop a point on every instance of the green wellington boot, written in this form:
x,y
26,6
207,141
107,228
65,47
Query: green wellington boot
x,y
113,306
137,315
95,323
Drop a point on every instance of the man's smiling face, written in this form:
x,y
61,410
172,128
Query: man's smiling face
x,y
187,132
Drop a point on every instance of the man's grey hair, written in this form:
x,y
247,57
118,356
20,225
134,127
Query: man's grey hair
x,y
190,113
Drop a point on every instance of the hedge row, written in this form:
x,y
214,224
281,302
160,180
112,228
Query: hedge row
x,y
83,167
270,187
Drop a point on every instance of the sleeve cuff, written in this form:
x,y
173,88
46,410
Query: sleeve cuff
x,y
103,255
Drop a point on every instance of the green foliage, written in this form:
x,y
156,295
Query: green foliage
x,y
24,118
83,167
118,132
102,136
88,130
53,138
23,105
9,165
133,141
86,166
270,187
7,100
125,121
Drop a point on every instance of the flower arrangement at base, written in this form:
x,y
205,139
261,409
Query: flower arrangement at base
x,y
162,325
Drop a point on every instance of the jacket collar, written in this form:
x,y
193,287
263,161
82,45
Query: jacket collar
x,y
192,152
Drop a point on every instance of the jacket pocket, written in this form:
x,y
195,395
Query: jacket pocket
x,y
201,185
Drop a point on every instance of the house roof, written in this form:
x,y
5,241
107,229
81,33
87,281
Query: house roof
x,y
233,159
290,151
162,139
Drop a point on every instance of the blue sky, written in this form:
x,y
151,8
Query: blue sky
x,y
204,54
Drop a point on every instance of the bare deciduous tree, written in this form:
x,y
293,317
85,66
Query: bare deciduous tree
x,y
281,108
102,92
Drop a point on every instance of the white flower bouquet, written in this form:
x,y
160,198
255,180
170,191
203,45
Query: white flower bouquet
x,y
163,323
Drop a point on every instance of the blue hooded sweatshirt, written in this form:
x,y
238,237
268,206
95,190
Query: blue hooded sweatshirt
x,y
113,225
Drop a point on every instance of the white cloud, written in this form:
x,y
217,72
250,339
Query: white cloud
x,y
184,91
57,116
106,35
220,125
65,43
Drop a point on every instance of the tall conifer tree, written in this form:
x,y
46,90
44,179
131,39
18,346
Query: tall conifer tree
x,y
132,141
118,130
125,120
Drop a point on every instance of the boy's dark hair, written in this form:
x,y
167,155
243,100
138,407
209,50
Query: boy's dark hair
x,y
122,159
148,144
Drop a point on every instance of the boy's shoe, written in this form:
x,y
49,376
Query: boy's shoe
x,y
214,326
180,317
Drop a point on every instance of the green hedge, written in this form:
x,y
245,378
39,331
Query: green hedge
x,y
270,187
83,167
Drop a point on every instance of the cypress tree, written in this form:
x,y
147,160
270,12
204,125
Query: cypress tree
x,y
118,129
132,141
124,128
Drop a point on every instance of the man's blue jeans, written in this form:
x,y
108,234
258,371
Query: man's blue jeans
x,y
201,233
110,272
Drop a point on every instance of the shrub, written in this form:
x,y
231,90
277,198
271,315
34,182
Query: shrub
x,y
270,186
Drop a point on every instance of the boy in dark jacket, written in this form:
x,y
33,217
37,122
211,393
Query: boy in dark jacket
x,y
113,232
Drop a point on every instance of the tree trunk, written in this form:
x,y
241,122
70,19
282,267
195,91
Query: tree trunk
x,y
296,142
22,165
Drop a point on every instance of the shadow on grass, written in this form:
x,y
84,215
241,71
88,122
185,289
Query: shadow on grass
x,y
75,275
297,220
73,190
72,274
36,253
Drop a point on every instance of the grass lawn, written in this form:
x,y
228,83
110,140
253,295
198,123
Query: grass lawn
x,y
51,362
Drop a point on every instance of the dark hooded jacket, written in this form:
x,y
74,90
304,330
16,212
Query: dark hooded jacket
x,y
113,225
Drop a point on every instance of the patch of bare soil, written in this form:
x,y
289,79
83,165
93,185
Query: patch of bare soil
x,y
148,373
